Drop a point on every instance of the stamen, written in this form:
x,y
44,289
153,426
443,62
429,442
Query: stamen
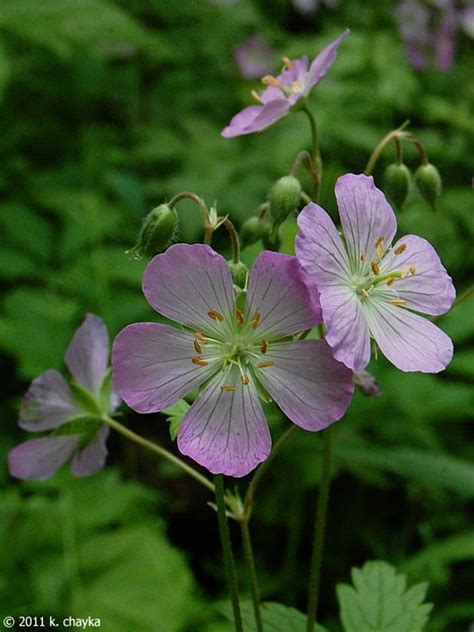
x,y
364,293
413,270
256,96
263,346
264,365
269,80
287,62
363,255
379,246
399,249
255,320
398,301
244,379
375,267
215,315
296,86
198,335
197,346
240,317
199,361
229,388
390,281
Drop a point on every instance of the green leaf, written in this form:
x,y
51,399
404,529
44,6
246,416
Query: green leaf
x,y
459,547
276,618
380,602
175,415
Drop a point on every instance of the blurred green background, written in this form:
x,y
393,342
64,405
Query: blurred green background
x,y
108,109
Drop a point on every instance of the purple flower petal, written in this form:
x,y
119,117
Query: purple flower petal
x,y
88,353
296,73
186,283
226,431
39,459
324,260
366,216
430,289
91,459
307,383
47,404
323,62
409,341
277,293
153,368
256,118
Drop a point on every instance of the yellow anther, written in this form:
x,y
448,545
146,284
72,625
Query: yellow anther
x,y
269,80
399,249
229,388
375,267
264,365
197,346
255,320
215,315
413,270
379,246
199,361
287,62
256,96
263,346
363,255
244,379
399,302
239,316
390,281
198,335
364,293
296,86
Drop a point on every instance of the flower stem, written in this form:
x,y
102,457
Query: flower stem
x,y
319,533
227,551
187,195
149,445
249,560
257,477
234,239
395,134
316,169
460,299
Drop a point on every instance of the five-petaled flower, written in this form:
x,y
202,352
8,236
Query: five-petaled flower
x,y
72,410
233,351
284,91
369,288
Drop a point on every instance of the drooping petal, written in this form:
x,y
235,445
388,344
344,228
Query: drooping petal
x,y
268,114
324,260
189,281
307,383
366,217
225,430
88,353
427,287
152,366
278,294
92,457
39,459
241,121
323,62
409,341
48,403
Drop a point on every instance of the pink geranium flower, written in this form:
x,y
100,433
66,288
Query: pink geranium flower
x,y
71,411
371,289
283,91
233,353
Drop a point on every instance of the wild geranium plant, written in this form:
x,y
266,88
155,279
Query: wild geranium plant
x,y
295,332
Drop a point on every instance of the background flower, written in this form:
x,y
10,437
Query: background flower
x,y
71,411
254,57
233,352
369,288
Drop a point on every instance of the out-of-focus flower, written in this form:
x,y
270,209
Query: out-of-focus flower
x,y
367,384
369,288
254,57
414,23
71,411
233,351
284,91
311,6
466,19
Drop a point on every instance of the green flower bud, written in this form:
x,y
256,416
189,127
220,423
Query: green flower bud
x,y
284,198
396,183
157,232
250,232
239,273
428,181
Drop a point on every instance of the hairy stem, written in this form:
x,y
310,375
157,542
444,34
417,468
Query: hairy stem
x,y
375,155
316,170
227,551
187,195
234,239
319,533
252,573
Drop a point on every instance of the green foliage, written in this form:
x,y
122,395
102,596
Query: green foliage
x,y
275,616
379,601
175,415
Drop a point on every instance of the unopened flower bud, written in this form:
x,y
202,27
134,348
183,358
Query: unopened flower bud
x,y
396,183
428,181
250,232
284,198
271,237
239,272
157,232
